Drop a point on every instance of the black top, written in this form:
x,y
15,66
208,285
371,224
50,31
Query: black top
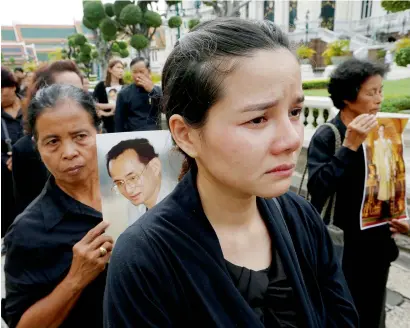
x,y
100,95
29,173
137,110
343,172
168,269
268,293
15,130
39,254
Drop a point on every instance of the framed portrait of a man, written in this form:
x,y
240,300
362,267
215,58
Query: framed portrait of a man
x,y
137,171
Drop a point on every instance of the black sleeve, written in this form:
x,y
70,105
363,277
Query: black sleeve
x,y
19,177
99,94
136,293
121,109
326,168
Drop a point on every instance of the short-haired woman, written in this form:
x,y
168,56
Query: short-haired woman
x,y
230,247
356,88
57,251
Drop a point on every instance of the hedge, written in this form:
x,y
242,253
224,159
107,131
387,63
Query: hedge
x,y
395,105
318,84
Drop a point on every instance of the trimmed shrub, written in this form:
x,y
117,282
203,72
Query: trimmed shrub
x,y
319,84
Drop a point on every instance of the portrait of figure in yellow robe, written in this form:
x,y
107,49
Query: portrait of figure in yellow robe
x,y
384,160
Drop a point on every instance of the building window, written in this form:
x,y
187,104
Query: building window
x,y
327,14
293,13
366,8
269,10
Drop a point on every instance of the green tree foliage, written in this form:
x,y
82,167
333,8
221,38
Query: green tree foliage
x,y
193,22
121,23
81,51
395,6
175,22
403,57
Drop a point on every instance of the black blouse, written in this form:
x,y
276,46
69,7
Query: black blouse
x,y
268,292
39,255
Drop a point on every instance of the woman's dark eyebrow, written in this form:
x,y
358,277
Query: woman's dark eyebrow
x,y
259,107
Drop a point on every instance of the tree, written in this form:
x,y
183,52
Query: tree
x,y
122,20
81,51
226,8
395,6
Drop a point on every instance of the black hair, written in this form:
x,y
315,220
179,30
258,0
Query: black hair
x,y
49,97
201,60
141,146
7,79
139,59
348,77
18,69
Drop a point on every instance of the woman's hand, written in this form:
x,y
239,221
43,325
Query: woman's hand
x,y
9,164
397,226
90,256
358,130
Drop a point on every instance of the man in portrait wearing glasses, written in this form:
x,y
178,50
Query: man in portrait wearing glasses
x,y
135,170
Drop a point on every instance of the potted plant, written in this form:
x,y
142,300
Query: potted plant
x,y
337,52
305,53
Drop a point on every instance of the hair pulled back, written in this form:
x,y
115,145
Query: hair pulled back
x,y
203,58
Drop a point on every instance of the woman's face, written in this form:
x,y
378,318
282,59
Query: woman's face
x,y
253,135
117,70
68,150
369,98
8,96
69,78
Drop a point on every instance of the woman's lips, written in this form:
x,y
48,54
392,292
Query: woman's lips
x,y
284,170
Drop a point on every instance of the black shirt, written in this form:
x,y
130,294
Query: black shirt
x,y
343,172
268,292
100,95
137,110
15,131
39,254
29,173
168,269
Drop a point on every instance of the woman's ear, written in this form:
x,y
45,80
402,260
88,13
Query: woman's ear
x,y
184,136
155,165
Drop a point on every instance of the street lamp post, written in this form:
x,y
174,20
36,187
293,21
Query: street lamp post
x,y
307,26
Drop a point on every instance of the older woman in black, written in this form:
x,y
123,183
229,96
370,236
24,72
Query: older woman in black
x,y
29,172
230,247
57,251
356,89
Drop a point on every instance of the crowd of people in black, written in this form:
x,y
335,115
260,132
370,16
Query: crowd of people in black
x,y
230,246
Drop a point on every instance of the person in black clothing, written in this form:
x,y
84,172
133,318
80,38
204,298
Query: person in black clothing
x,y
219,251
105,106
57,251
356,89
29,172
11,131
138,104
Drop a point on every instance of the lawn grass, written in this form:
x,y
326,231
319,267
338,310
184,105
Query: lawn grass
x,y
391,89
